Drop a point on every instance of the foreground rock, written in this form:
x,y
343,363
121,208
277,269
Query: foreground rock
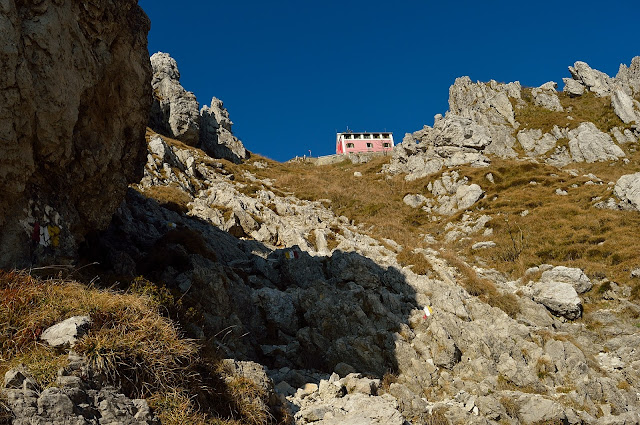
x,y
78,398
67,332
559,297
72,128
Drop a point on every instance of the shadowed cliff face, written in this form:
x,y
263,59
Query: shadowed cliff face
x,y
74,101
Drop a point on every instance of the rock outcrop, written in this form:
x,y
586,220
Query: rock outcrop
x,y
74,100
482,121
175,111
216,136
627,189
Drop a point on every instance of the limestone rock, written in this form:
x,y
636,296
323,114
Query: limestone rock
x,y
536,409
629,77
625,107
67,332
588,144
573,276
595,81
627,189
175,111
74,101
414,201
546,96
216,136
74,401
559,297
535,143
573,87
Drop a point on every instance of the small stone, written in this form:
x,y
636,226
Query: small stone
x,y
67,332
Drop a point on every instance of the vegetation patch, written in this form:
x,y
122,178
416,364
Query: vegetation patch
x,y
170,197
131,343
579,109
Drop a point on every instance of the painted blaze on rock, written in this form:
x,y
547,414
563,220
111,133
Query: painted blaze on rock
x,y
71,129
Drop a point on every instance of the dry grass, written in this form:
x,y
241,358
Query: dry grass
x,y
481,287
585,108
130,343
511,406
564,230
417,261
170,197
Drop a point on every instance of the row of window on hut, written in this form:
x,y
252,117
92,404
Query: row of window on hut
x,y
363,142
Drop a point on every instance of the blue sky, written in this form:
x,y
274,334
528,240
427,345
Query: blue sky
x,y
291,73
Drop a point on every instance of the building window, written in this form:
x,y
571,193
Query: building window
x,y
347,136
385,136
349,145
370,145
386,145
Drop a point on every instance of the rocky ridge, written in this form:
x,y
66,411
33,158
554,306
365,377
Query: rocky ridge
x,y
483,119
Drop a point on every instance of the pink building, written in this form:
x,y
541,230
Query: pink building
x,y
363,142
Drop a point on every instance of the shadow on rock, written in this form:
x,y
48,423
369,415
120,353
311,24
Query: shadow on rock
x,y
280,307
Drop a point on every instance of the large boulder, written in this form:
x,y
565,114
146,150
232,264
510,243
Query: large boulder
x,y
573,276
216,136
560,298
74,101
588,144
175,112
625,107
547,97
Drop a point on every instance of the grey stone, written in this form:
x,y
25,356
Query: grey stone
x,y
483,245
573,276
588,144
625,107
559,297
546,96
175,111
414,201
627,190
573,87
216,136
67,332
595,81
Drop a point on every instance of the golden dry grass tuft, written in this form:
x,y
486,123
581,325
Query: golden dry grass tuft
x,y
417,261
129,341
170,197
585,108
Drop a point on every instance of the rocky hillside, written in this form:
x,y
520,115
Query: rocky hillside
x,y
480,275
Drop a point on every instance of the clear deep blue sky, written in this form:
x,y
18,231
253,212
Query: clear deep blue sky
x,y
291,73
